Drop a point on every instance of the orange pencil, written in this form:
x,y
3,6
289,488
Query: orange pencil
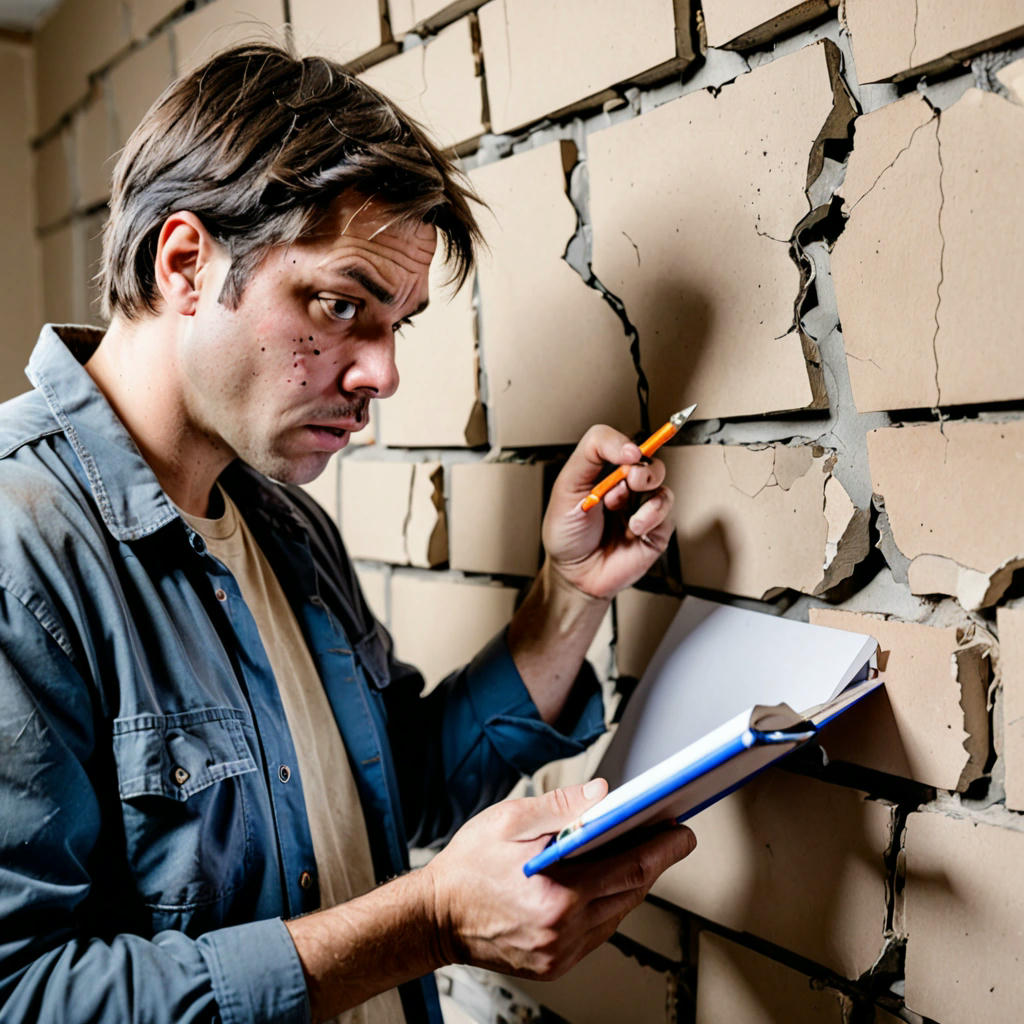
x,y
649,447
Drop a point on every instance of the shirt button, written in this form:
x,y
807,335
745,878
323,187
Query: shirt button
x,y
305,880
220,594
180,776
198,544
284,773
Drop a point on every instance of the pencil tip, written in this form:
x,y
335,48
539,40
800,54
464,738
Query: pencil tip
x,y
679,418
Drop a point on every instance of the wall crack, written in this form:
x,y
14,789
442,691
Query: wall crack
x,y
942,275
889,166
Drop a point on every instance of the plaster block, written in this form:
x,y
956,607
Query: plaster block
x,y
1011,672
324,489
20,267
755,521
496,510
374,584
735,985
223,23
903,37
964,903
91,232
147,14
136,82
795,861
543,59
641,620
934,478
654,928
94,148
438,401
438,84
930,722
346,35
741,24
439,624
58,254
533,304
394,511
935,220
79,37
607,987
53,179
693,205
405,15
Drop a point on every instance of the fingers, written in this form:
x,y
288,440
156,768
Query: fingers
x,y
638,867
543,815
652,520
600,447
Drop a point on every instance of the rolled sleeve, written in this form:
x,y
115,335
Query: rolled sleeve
x,y
256,974
505,713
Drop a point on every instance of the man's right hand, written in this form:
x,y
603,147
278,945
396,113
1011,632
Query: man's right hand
x,y
491,915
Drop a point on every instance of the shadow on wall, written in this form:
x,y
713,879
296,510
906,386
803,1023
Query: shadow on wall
x,y
671,357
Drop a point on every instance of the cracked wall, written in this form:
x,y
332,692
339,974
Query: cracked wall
x,y
806,217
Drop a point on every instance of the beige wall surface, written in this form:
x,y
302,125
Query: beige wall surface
x,y
804,215
20,266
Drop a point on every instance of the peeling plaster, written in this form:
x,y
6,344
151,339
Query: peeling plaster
x,y
938,574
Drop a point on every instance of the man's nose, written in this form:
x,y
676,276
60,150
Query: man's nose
x,y
372,370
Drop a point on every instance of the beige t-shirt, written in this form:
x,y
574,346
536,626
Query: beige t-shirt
x,y
336,823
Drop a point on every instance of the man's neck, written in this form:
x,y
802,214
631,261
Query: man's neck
x,y
136,368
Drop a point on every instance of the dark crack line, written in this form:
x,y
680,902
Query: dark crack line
x,y
508,49
913,45
643,387
591,280
770,482
771,238
889,166
636,248
863,359
938,288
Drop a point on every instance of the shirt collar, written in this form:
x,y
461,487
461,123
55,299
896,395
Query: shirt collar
x,y
128,495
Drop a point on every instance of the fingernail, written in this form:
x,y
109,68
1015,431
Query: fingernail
x,y
592,789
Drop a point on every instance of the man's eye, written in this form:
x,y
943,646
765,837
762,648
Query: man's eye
x,y
339,309
402,324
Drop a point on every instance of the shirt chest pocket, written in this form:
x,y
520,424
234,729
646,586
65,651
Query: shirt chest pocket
x,y
182,780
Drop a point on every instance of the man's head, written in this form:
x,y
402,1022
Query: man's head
x,y
258,144
278,217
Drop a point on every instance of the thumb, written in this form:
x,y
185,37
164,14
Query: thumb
x,y
561,807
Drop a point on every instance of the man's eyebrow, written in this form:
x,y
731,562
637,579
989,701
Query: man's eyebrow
x,y
379,293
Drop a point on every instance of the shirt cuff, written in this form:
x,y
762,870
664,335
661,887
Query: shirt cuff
x,y
510,719
256,974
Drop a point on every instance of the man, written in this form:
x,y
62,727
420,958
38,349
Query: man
x,y
210,762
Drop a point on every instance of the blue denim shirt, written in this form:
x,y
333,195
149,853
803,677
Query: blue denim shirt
x,y
150,847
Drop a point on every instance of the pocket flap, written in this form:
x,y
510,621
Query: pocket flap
x,y
175,756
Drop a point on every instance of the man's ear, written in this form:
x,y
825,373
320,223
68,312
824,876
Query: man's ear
x,y
185,252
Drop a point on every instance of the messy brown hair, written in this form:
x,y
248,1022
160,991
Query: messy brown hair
x,y
258,143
